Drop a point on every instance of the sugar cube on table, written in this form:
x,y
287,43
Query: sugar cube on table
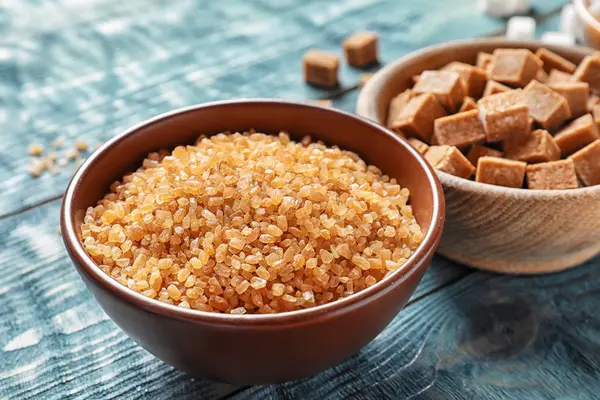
x,y
504,8
563,39
520,28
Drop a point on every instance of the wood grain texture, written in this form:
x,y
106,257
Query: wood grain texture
x,y
517,231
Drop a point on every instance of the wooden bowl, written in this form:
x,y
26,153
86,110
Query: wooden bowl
x,y
491,227
252,349
591,26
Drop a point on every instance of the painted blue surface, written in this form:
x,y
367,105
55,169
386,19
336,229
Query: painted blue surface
x,y
90,68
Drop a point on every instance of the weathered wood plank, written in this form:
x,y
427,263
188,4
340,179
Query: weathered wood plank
x,y
485,337
92,79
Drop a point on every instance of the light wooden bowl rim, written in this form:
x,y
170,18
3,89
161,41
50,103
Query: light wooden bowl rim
x,y
366,106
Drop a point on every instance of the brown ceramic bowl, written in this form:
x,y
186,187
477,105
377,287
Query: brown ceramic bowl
x,y
251,349
492,227
591,25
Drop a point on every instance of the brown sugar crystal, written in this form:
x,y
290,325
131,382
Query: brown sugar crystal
x,y
361,49
556,76
484,60
577,95
537,147
397,105
477,151
589,71
554,175
504,116
474,78
459,130
448,87
321,68
514,67
493,87
552,61
500,172
450,160
587,163
548,108
418,145
468,105
416,119
577,134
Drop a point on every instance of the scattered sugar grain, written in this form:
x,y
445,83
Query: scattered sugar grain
x,y
36,149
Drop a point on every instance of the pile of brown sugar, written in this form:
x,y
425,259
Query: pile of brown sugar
x,y
251,223
515,119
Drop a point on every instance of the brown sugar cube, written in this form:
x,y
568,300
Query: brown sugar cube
x,y
364,78
537,147
514,67
592,102
493,87
504,115
474,78
467,105
552,61
577,95
556,76
416,119
478,151
321,68
548,108
448,87
500,172
484,60
577,134
361,49
554,175
596,115
587,163
418,145
541,76
459,130
589,71
397,105
450,160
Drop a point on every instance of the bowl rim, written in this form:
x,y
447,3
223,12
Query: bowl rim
x,y
84,263
380,78
584,13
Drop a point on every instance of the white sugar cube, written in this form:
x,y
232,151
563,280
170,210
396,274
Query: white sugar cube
x,y
504,8
520,28
569,22
558,38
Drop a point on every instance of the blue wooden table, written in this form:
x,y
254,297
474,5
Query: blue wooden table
x,y
89,69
